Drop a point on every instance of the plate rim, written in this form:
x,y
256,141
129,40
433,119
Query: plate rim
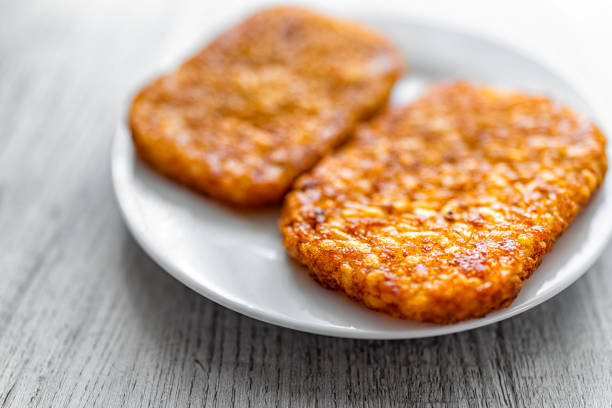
x,y
122,131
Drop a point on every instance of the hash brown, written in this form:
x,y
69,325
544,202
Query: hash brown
x,y
439,211
262,103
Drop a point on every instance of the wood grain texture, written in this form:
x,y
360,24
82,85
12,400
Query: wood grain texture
x,y
87,319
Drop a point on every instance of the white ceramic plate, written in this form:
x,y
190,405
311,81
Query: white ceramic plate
x,y
237,260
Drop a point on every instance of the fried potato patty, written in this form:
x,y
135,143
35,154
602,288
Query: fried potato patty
x,y
439,211
262,103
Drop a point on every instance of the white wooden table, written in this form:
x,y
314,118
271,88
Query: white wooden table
x,y
87,319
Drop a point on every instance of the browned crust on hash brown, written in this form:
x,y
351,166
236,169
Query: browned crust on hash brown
x,y
262,103
439,211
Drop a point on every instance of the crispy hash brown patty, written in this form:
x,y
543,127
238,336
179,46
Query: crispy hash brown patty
x,y
439,211
262,103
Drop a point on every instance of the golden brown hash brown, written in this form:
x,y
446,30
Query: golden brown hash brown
x,y
439,211
262,103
